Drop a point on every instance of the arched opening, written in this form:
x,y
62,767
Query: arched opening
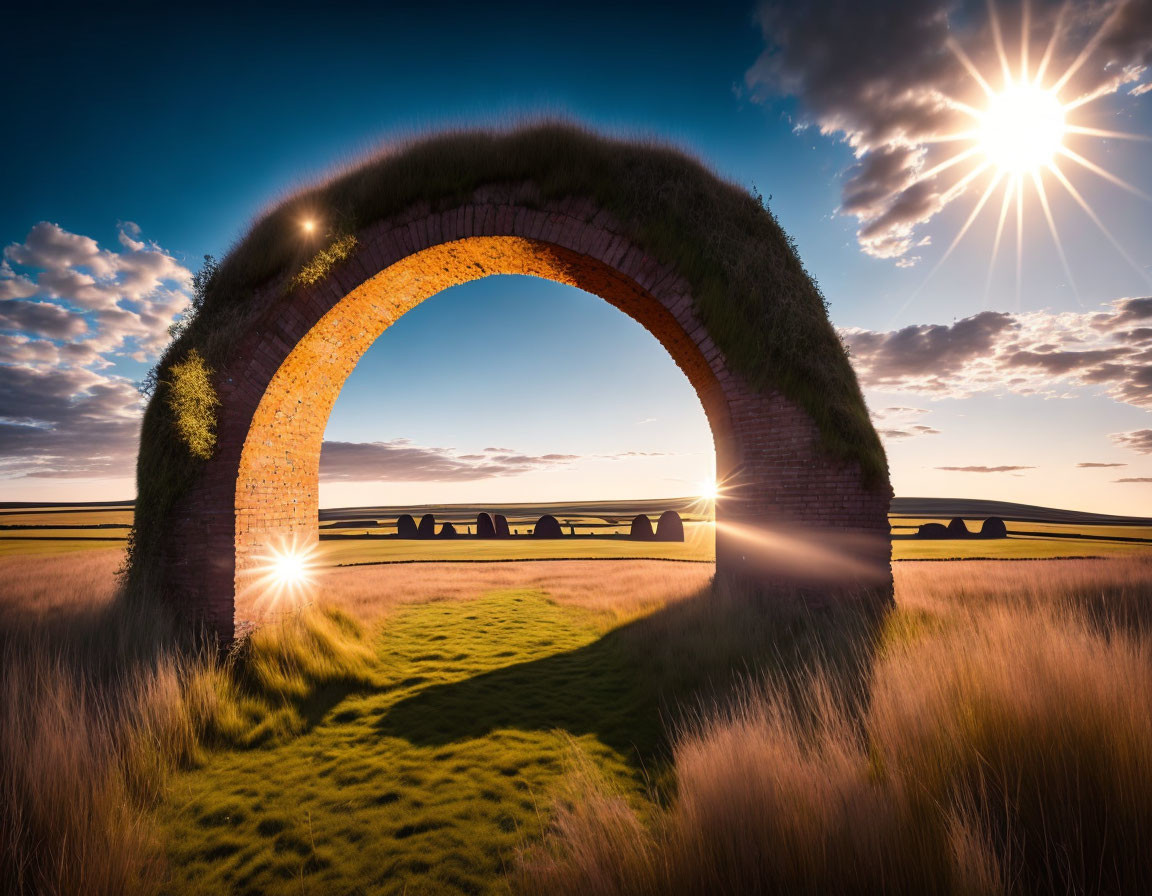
x,y
522,397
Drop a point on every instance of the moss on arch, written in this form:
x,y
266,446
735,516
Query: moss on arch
x,y
750,289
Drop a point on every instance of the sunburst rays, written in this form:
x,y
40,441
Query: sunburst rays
x,y
1018,91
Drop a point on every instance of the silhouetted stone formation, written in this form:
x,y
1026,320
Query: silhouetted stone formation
x,y
993,527
641,528
957,529
406,527
501,522
669,527
547,527
485,528
448,531
427,527
933,530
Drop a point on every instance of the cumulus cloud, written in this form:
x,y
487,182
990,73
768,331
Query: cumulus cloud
x,y
983,469
1034,353
66,422
68,309
882,77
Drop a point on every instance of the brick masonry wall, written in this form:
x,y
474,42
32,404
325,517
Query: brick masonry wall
x,y
259,491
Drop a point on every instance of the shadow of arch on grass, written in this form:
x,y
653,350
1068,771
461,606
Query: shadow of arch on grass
x,y
640,682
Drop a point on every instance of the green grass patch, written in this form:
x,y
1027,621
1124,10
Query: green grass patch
x,y
426,773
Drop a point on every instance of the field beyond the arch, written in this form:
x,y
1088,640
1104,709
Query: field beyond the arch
x,y
582,728
367,535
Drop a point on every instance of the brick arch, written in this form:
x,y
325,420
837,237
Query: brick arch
x,y
260,486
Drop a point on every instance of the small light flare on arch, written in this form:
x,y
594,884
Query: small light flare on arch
x,y
284,577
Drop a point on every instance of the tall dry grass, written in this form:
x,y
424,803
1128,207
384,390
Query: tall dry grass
x,y
101,700
1005,746
93,709
991,734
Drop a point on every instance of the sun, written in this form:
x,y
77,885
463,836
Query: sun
x,y
709,490
1020,145
1022,129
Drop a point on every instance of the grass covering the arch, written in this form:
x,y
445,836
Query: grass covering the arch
x,y
750,288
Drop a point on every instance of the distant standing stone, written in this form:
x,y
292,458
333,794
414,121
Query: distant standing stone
x,y
485,527
427,527
957,529
993,527
547,527
641,528
406,527
933,530
448,531
670,527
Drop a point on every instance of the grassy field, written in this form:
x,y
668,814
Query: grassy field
x,y
362,535
583,727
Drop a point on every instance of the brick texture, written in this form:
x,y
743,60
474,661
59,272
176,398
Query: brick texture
x,y
259,491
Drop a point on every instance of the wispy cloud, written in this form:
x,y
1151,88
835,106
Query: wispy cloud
x,y
898,423
399,460
1098,466
1139,440
983,469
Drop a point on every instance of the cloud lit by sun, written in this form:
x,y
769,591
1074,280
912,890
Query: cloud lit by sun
x,y
998,108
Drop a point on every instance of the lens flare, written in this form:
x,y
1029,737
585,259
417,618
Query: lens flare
x,y
290,569
283,577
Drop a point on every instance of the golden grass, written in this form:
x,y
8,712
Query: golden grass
x,y
102,702
1005,746
991,735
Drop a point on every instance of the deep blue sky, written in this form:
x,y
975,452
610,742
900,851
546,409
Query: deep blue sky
x,y
189,122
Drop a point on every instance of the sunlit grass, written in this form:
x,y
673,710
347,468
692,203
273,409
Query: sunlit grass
x,y
1004,746
475,727
425,778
